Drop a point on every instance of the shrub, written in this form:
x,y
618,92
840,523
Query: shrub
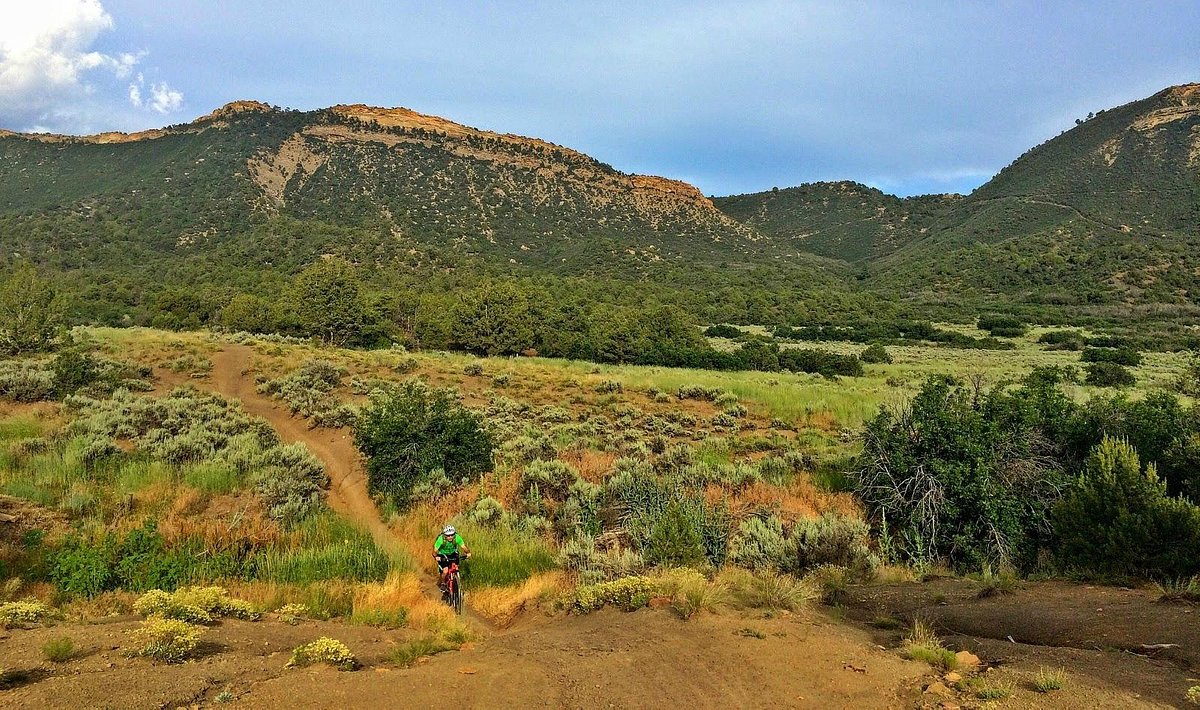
x,y
167,640
292,614
59,650
821,362
627,594
23,612
24,381
1109,374
291,481
31,311
1002,326
610,387
833,540
696,594
1063,339
1118,520
963,476
1119,356
876,354
676,538
157,603
473,369
1193,695
774,591
324,650
1179,590
410,432
759,544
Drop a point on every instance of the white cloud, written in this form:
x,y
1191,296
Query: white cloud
x,y
162,99
47,62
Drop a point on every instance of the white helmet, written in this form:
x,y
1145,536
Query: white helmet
x,y
449,531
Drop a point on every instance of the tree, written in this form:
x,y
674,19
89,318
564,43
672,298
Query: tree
x,y
250,314
1118,520
328,301
495,318
411,432
31,312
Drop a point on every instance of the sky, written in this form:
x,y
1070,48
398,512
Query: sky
x,y
913,97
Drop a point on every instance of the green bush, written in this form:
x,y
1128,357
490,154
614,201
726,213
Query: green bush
x,y
722,330
1120,356
759,544
167,640
1001,326
876,354
25,381
832,540
1109,374
324,650
1117,521
408,433
962,476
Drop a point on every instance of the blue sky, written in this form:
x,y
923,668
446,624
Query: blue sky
x,y
734,97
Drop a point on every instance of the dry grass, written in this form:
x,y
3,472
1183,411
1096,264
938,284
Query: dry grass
x,y
502,605
404,591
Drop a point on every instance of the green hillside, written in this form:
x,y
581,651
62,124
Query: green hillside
x,y
840,220
243,198
1107,212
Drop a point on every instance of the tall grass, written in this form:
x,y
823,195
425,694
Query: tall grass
x,y
502,556
325,547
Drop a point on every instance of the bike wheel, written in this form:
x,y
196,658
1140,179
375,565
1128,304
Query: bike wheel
x,y
457,600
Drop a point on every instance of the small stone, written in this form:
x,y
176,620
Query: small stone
x,y
467,670
939,689
953,677
967,659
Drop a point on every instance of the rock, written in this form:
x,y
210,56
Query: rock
x,y
939,689
953,677
966,659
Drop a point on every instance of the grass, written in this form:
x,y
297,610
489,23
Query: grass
x,y
407,654
502,556
327,547
993,584
923,644
1049,680
1185,591
59,650
772,591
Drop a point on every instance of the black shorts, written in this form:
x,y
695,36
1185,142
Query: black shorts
x,y
445,561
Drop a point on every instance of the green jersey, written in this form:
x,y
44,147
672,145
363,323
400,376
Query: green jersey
x,y
442,546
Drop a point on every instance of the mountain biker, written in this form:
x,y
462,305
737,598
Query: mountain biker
x,y
446,549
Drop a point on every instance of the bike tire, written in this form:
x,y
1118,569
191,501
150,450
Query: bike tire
x,y
457,600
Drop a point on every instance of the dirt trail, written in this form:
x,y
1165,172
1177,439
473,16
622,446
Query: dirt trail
x,y
347,480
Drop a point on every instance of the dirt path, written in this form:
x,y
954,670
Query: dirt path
x,y
347,479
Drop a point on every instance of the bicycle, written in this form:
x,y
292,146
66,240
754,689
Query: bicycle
x,y
452,592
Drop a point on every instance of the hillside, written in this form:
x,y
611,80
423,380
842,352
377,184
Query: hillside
x,y
1106,212
841,220
250,193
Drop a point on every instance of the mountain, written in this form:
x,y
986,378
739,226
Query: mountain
x,y
1107,212
841,220
250,191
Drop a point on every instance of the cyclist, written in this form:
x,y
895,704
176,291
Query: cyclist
x,y
446,549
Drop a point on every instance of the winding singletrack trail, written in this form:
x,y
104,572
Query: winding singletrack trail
x,y
347,479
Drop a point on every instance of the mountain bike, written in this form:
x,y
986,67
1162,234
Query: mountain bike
x,y
452,592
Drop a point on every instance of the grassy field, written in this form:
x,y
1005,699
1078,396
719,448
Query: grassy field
x,y
754,441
